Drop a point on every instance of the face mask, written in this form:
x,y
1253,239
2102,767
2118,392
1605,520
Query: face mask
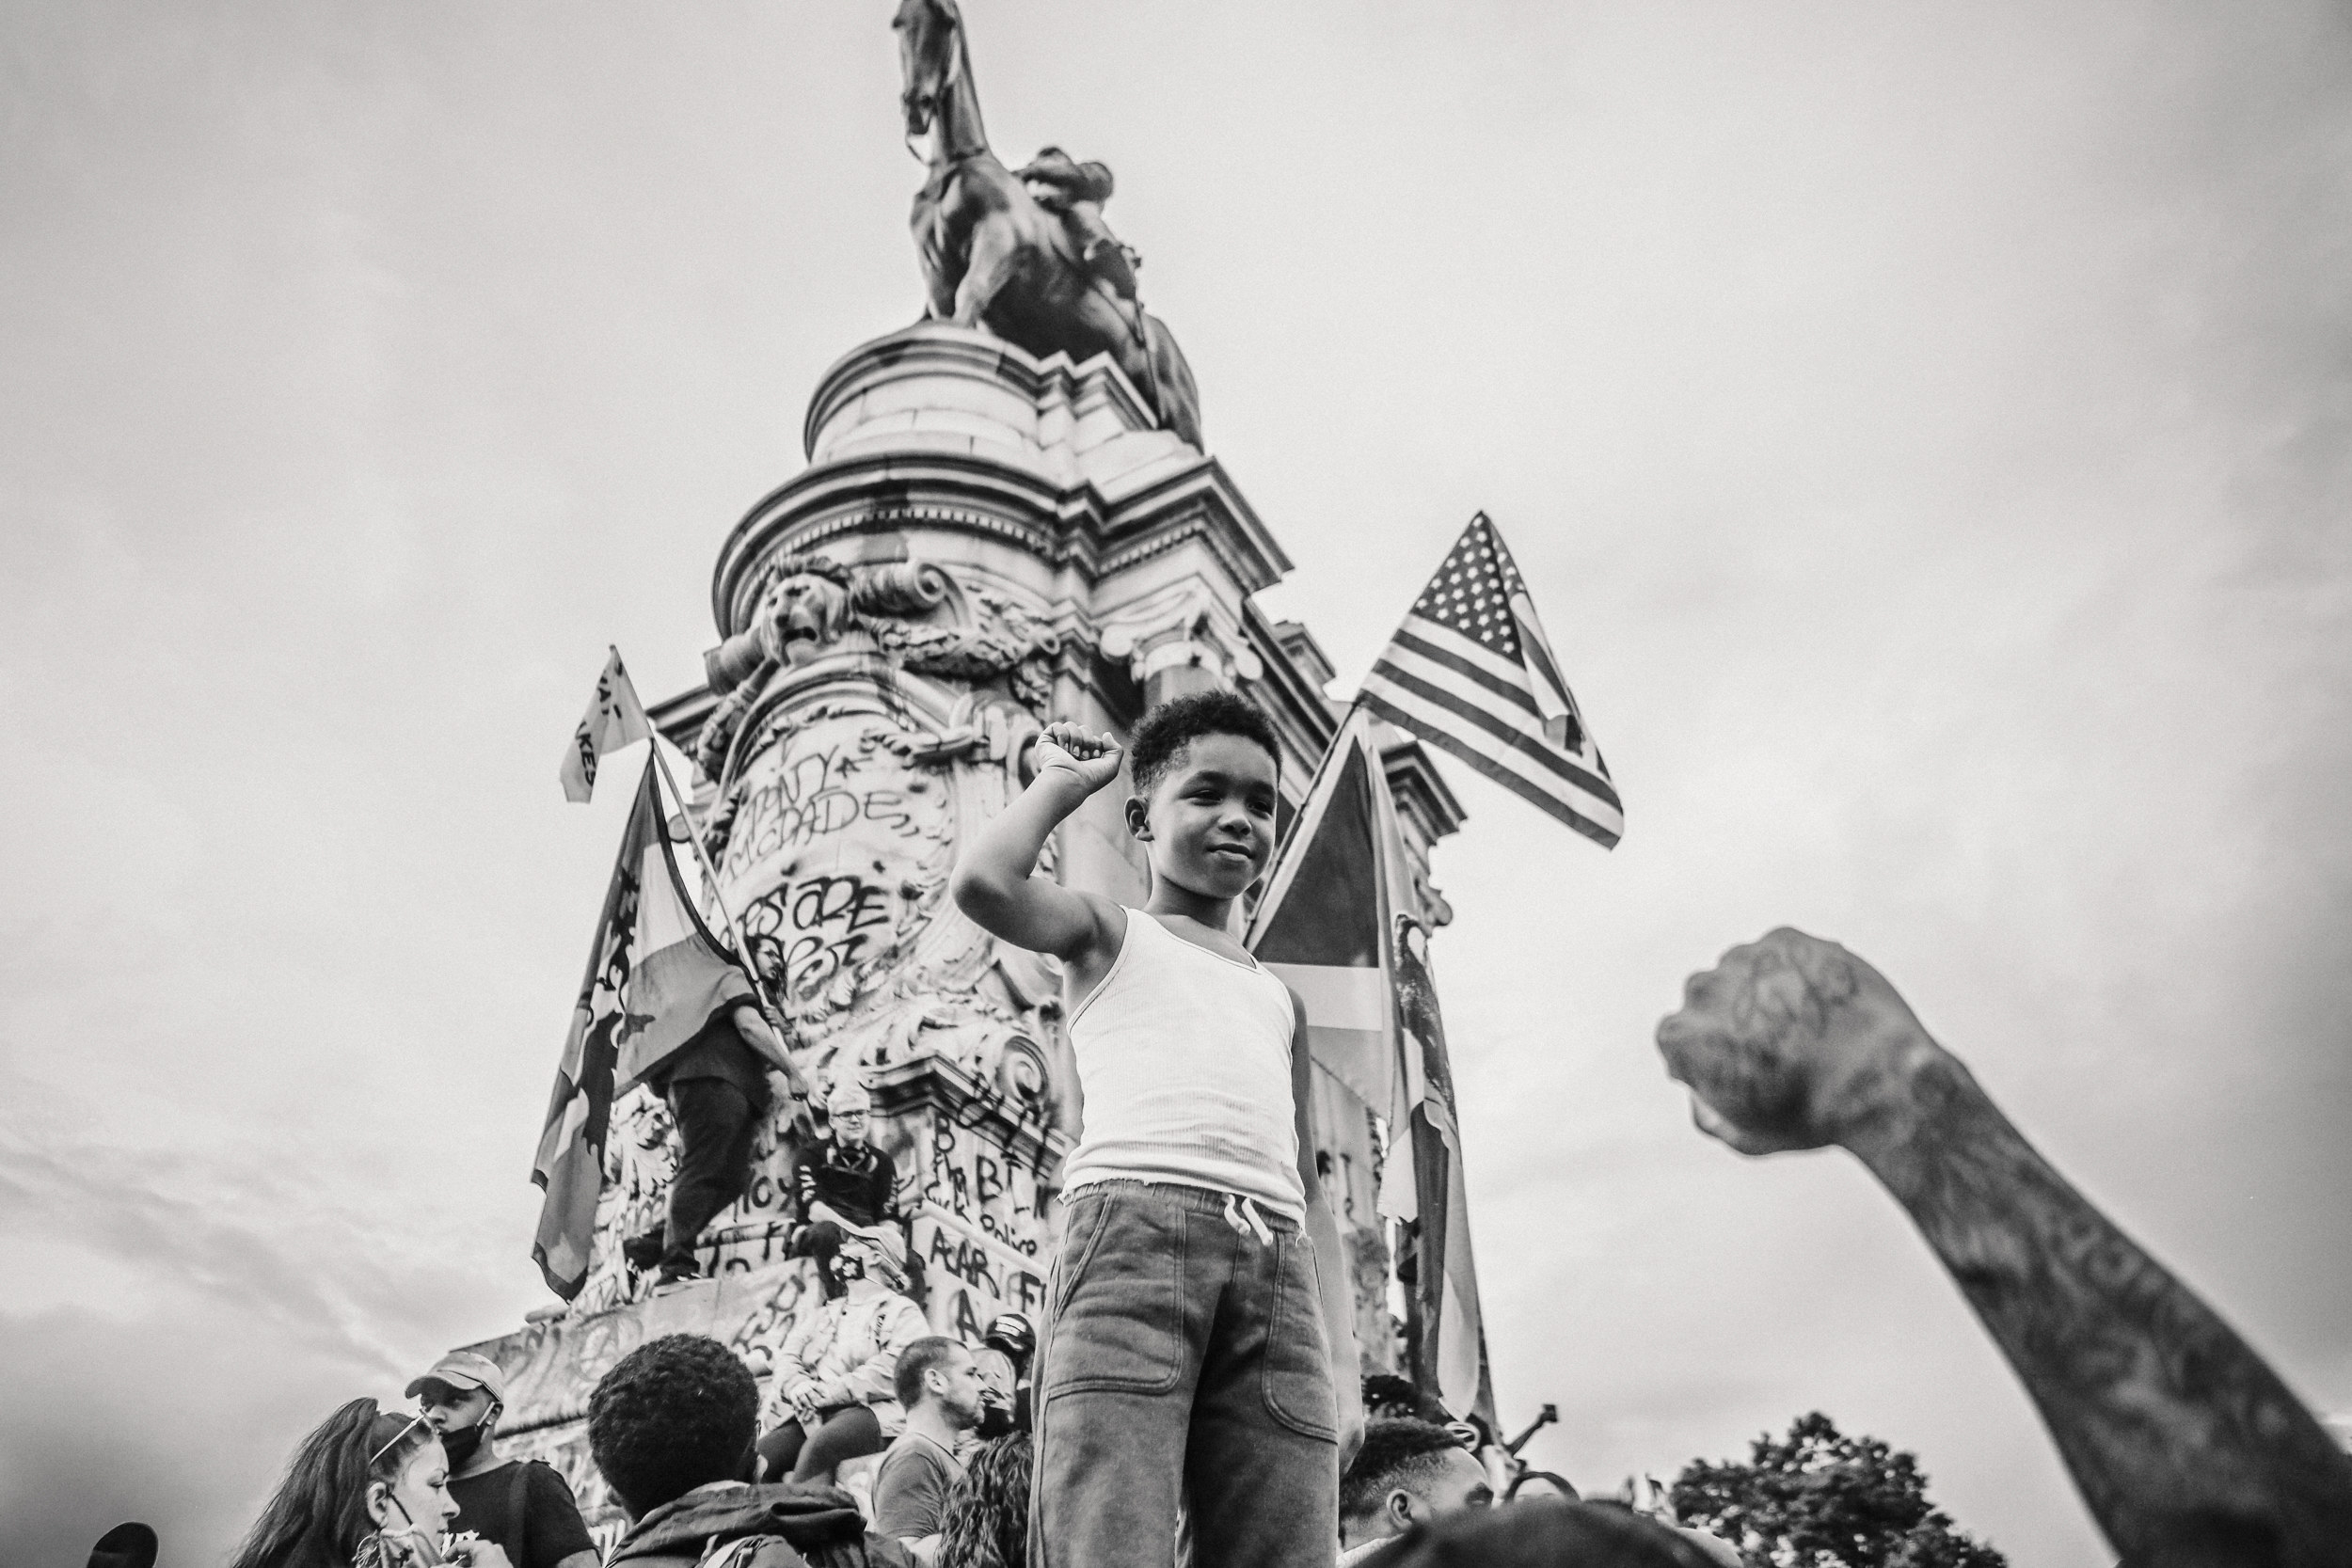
x,y
995,1420
461,1446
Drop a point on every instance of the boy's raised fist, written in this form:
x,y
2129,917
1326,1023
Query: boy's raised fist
x,y
1094,758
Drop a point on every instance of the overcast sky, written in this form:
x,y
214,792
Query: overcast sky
x,y
1927,430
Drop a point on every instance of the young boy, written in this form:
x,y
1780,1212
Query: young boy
x,y
1185,1357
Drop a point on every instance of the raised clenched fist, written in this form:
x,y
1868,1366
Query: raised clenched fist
x,y
1793,1043
1094,758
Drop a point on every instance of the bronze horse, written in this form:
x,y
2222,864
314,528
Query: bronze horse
x,y
992,257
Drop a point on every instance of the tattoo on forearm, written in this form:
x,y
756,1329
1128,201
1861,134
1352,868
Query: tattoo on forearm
x,y
2185,1445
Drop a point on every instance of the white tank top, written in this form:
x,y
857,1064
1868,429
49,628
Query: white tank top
x,y
1184,1058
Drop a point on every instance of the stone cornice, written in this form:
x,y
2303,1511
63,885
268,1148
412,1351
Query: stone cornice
x,y
1419,789
964,493
964,1099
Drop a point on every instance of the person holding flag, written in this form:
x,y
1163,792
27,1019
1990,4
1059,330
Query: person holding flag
x,y
662,1005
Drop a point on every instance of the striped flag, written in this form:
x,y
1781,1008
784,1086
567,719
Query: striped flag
x,y
1335,927
614,719
1470,671
655,979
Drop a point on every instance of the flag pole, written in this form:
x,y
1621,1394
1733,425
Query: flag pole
x,y
792,1078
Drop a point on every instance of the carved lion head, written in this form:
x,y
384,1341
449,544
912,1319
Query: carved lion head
x,y
804,610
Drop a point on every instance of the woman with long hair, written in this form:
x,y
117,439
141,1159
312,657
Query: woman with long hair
x,y
368,1489
986,1519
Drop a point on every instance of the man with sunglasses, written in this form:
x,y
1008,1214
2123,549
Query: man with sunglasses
x,y
522,1505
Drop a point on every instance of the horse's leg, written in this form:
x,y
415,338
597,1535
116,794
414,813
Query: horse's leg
x,y
995,245
931,249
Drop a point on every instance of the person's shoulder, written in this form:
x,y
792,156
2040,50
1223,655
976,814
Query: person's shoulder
x,y
544,1477
895,1460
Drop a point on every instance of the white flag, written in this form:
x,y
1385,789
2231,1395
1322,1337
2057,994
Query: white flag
x,y
614,719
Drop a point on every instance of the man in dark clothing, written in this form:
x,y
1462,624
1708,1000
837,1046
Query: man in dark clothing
x,y
843,1181
717,1089
522,1505
672,1428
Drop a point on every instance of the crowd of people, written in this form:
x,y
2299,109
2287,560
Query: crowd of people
x,y
1176,1407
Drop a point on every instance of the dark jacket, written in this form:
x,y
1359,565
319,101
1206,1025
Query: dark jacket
x,y
862,1187
783,1526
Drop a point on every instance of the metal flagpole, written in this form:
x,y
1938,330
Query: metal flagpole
x,y
792,1078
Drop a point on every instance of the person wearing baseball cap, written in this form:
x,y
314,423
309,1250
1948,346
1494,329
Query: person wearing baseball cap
x,y
834,1394
1008,1346
523,1505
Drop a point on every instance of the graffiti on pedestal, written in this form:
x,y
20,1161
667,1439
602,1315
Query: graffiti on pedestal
x,y
984,1244
869,716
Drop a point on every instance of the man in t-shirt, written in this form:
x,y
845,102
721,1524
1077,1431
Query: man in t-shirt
x,y
522,1505
939,1383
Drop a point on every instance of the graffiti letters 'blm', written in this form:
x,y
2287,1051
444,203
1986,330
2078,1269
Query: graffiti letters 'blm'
x,y
978,1232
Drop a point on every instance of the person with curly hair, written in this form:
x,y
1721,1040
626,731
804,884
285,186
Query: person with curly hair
x,y
368,1488
987,1513
1187,1360
672,1428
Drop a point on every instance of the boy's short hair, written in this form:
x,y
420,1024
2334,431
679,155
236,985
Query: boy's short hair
x,y
675,1413
917,1358
1164,732
1397,1452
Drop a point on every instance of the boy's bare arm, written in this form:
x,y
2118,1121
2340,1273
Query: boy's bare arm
x,y
994,882
2185,1445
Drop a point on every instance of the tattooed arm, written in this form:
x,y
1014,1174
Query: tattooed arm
x,y
2185,1447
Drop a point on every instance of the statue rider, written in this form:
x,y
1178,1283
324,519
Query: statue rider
x,y
1074,192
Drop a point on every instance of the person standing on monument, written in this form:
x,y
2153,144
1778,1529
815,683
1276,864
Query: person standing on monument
x,y
717,1089
521,1504
1185,1364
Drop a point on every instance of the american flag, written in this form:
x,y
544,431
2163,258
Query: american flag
x,y
1472,670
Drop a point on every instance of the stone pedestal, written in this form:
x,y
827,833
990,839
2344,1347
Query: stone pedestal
x,y
982,543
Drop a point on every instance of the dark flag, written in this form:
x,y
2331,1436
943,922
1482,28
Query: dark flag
x,y
1319,926
1452,1333
1334,926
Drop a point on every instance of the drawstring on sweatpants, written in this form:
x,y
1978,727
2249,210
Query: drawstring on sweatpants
x,y
1238,1209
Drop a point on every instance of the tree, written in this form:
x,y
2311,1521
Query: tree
x,y
1820,1499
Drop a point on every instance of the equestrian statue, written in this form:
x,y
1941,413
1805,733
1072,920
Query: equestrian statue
x,y
1025,253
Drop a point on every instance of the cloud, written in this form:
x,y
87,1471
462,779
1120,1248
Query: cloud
x,y
1925,431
